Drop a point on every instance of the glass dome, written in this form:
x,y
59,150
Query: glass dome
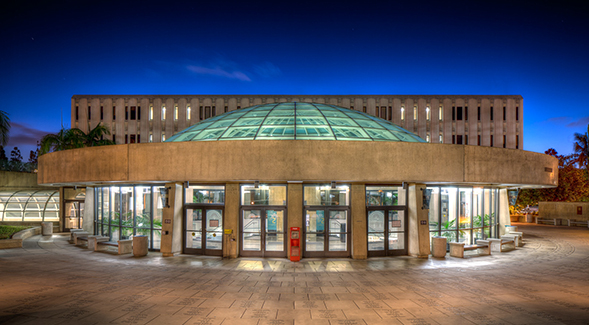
x,y
295,121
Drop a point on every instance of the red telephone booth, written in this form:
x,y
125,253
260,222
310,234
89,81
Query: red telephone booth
x,y
295,249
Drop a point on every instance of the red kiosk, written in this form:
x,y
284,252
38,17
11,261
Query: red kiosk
x,y
295,249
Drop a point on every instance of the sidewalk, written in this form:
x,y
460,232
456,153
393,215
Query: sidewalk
x,y
50,281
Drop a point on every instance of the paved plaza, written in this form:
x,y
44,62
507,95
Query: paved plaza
x,y
50,281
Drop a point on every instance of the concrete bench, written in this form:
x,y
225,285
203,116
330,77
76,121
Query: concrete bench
x,y
575,222
124,246
551,221
94,240
498,244
73,231
77,234
83,238
517,237
457,249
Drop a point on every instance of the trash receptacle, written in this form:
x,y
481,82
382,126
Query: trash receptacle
x,y
439,246
47,228
139,245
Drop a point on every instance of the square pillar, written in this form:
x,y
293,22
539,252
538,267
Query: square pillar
x,y
294,211
503,217
359,232
172,224
231,221
88,219
418,232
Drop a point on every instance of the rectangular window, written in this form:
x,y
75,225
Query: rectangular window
x,y
163,137
207,111
205,194
415,113
478,140
402,113
175,112
491,113
458,139
441,113
517,142
364,109
126,139
150,137
517,113
132,138
504,111
427,113
491,140
453,139
188,112
478,113
126,113
163,112
214,111
238,107
89,112
383,112
453,113
427,138
504,142
441,138
390,113
102,112
351,107
133,113
263,194
114,112
138,114
466,113
77,114
138,138
151,112
459,113
226,109
385,195
466,139
200,113
323,194
114,138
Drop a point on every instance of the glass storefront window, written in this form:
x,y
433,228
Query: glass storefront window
x,y
263,195
385,195
205,194
327,196
463,214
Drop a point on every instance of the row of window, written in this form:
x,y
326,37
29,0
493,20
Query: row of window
x,y
134,112
458,139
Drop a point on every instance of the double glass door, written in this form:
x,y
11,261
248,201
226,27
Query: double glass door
x,y
327,232
263,232
74,215
387,232
204,231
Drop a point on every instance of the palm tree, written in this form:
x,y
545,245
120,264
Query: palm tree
x,y
581,148
74,138
4,128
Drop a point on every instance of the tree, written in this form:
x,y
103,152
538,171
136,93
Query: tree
x,y
581,149
3,154
74,138
4,128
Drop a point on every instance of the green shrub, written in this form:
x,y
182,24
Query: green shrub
x,y
7,231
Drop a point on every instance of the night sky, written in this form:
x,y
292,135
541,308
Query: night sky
x,y
537,49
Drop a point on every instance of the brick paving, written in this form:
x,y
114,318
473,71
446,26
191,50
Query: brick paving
x,y
50,281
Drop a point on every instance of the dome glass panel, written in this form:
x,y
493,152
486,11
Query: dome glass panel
x,y
292,121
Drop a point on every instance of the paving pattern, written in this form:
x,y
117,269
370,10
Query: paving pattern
x,y
50,281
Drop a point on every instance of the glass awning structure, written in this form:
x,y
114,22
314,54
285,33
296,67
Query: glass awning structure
x,y
295,121
29,205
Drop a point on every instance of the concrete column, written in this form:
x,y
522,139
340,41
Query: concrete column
x,y
447,107
144,122
120,120
172,223
434,129
422,118
473,123
231,246
504,219
294,211
83,115
359,232
510,124
88,219
418,233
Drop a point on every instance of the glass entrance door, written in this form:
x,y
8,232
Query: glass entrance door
x,y
263,232
74,215
387,232
204,231
327,233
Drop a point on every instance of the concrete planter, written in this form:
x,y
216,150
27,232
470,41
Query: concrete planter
x,y
16,240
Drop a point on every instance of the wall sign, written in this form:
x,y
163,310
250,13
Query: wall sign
x,y
423,222
168,221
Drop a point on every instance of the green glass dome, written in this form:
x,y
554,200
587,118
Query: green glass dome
x,y
295,121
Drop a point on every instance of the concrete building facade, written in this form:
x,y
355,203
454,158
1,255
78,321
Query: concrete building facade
x,y
481,120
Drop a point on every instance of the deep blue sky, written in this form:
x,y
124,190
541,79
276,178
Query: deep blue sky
x,y
537,49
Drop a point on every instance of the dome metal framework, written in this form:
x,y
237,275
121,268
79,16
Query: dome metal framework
x,y
295,121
